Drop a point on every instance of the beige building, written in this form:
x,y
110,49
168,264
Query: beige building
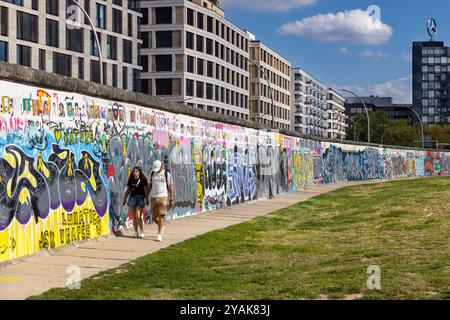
x,y
55,36
191,54
267,66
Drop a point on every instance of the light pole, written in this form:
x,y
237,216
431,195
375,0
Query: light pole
x,y
270,87
421,124
100,55
367,112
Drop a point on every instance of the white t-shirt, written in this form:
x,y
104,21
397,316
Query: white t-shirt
x,y
159,186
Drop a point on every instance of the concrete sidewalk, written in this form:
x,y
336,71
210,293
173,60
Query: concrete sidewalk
x,y
36,274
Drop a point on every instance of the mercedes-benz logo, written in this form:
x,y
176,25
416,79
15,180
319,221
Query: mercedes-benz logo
x,y
432,28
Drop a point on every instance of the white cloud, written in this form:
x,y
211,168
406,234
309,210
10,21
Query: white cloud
x,y
374,56
350,27
399,89
407,57
267,5
344,50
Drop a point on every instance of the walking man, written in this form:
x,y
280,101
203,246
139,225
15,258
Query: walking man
x,y
161,190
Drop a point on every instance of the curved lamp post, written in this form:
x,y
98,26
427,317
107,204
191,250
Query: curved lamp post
x,y
367,111
270,87
100,55
421,124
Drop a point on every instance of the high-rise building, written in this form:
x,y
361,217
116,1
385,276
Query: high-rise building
x,y
55,36
431,85
270,77
310,104
337,119
191,54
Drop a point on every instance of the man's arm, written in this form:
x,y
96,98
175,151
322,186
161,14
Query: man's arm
x,y
170,189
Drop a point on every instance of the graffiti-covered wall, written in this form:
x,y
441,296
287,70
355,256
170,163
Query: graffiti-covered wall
x,y
65,160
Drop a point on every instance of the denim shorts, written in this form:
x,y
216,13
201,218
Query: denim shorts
x,y
136,201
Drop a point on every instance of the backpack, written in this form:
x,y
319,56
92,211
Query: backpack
x,y
166,175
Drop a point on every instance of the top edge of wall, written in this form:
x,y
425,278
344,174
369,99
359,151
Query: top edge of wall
x,y
28,76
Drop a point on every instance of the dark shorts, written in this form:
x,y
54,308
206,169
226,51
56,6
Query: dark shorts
x,y
136,201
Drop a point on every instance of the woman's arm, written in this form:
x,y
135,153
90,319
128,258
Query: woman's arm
x,y
127,192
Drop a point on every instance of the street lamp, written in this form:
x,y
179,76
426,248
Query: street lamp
x,y
421,124
100,55
270,87
367,112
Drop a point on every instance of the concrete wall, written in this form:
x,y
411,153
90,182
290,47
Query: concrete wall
x,y
65,157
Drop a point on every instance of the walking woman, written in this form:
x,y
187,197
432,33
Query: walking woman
x,y
137,188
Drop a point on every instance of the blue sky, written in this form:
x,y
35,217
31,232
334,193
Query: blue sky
x,y
331,39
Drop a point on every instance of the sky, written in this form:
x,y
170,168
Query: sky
x,y
360,45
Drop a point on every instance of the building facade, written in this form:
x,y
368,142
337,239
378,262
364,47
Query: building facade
x,y
270,77
431,85
337,119
310,104
55,36
353,106
191,54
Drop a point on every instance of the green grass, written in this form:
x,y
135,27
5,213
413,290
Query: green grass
x,y
320,248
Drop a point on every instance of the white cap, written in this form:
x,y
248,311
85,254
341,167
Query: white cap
x,y
157,166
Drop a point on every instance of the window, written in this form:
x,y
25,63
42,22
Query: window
x,y
116,21
144,37
3,51
62,64
52,33
130,25
209,46
200,44
163,15
190,40
163,87
52,7
35,4
127,51
95,71
94,46
189,88
200,66
144,63
125,78
24,55
190,17
163,63
163,39
210,69
209,91
200,89
114,75
190,64
112,48
27,27
101,16
200,23
42,60
144,19
74,39
87,8
81,68
145,84
4,28
210,24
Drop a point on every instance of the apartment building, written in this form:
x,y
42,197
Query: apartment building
x,y
337,119
310,104
192,55
55,36
270,78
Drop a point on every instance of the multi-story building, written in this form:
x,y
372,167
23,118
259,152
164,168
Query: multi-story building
x,y
55,36
337,119
267,66
431,83
310,104
191,54
353,106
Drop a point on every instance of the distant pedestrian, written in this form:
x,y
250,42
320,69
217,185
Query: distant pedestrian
x,y
161,190
137,188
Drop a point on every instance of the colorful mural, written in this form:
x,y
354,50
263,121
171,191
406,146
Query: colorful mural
x,y
65,161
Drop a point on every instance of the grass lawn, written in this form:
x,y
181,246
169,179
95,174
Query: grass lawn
x,y
319,249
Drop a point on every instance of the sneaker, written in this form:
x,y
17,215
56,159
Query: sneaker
x,y
160,238
141,235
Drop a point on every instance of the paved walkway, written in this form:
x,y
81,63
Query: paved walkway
x,y
36,274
